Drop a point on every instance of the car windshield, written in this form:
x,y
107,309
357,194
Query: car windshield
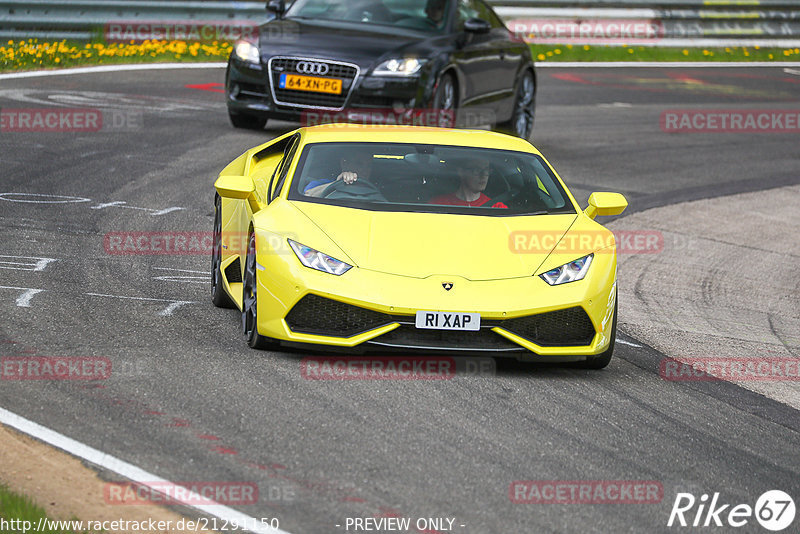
x,y
428,178
421,15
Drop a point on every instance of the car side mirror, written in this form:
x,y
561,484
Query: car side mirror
x,y
475,25
277,6
238,187
605,204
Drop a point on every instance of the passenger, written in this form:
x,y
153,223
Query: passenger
x,y
474,174
356,165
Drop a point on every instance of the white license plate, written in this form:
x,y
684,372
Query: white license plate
x,y
448,320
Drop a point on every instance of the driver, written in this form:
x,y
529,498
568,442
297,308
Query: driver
x,y
434,9
356,165
473,171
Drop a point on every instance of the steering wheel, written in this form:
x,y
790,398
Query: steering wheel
x,y
358,190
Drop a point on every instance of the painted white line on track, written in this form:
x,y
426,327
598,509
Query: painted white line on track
x,y
130,471
173,304
184,279
622,341
24,300
570,64
178,270
38,265
112,68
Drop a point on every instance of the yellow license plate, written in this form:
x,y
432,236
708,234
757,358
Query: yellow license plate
x,y
311,83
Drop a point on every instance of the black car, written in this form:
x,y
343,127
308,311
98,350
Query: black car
x,y
348,57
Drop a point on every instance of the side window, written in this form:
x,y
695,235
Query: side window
x,y
490,16
279,177
466,10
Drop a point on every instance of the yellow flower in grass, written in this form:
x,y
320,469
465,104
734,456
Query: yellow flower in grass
x,y
541,57
685,52
557,50
630,50
586,47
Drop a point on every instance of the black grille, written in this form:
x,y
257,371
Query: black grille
x,y
318,315
407,335
567,327
233,272
292,97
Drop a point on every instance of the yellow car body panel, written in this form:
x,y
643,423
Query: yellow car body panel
x,y
394,272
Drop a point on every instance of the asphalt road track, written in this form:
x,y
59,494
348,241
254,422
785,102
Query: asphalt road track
x,y
188,401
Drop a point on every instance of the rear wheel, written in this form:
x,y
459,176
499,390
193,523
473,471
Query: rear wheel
x,y
250,299
521,122
602,360
218,295
247,122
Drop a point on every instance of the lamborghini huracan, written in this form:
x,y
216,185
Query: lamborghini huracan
x,y
433,240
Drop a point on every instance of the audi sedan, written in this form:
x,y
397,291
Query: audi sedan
x,y
446,62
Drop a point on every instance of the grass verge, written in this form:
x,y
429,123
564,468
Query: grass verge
x,y
21,514
32,54
556,53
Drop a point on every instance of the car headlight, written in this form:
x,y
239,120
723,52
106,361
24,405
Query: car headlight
x,y
317,260
247,51
569,272
399,67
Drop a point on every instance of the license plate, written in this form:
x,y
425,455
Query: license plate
x,y
310,83
448,320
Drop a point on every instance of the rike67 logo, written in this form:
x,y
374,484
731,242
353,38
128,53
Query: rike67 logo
x,y
774,510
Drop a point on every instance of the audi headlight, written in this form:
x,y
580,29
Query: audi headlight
x,y
247,51
399,67
569,272
319,261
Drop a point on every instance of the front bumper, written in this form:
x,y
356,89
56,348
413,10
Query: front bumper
x,y
368,310
247,91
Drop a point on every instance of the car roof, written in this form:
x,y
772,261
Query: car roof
x,y
352,133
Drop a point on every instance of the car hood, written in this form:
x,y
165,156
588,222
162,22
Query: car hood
x,y
341,41
424,244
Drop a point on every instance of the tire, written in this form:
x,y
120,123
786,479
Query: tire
x,y
250,299
247,122
602,360
522,118
218,295
445,99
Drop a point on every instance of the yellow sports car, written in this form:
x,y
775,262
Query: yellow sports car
x,y
389,238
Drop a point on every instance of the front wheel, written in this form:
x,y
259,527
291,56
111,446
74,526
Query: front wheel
x,y
445,101
250,300
521,122
218,295
247,122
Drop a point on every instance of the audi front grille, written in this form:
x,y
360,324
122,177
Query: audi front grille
x,y
347,72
